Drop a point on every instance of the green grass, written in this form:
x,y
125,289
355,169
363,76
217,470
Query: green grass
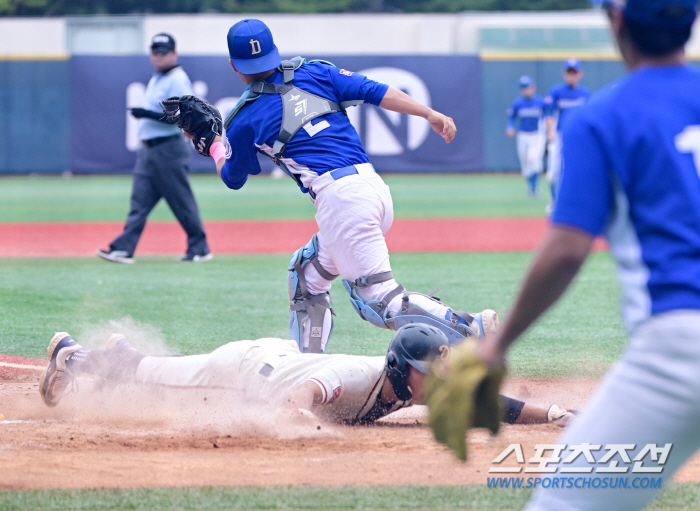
x,y
199,307
676,497
196,308
106,198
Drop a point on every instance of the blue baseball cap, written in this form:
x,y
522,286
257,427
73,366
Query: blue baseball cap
x,y
251,47
525,81
656,13
572,63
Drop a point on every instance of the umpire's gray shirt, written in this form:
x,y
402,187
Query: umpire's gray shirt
x,y
162,86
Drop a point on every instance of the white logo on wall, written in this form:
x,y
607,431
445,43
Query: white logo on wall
x,y
391,133
136,97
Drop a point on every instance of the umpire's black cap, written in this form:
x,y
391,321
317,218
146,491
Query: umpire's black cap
x,y
162,43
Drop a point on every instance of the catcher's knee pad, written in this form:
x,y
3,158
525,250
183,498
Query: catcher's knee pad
x,y
374,311
296,283
415,308
310,316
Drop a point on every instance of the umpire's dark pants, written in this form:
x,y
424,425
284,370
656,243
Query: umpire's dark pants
x,y
161,172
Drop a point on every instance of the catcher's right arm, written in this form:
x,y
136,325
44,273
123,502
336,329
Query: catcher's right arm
x,y
197,117
462,393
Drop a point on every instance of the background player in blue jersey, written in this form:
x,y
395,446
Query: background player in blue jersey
x,y
558,103
293,112
631,172
525,116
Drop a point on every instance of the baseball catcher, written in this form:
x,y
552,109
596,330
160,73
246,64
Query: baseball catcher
x,y
294,112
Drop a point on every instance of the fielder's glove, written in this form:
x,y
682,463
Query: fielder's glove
x,y
196,117
462,393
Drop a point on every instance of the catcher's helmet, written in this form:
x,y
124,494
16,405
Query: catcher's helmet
x,y
414,345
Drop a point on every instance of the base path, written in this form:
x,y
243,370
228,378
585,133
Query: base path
x,y
75,239
128,437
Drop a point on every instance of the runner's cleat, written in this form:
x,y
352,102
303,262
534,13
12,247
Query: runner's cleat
x,y
56,377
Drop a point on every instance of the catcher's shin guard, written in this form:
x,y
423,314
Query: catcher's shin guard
x,y
311,322
415,308
310,316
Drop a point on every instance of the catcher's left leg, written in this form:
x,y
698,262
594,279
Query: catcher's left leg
x,y
310,313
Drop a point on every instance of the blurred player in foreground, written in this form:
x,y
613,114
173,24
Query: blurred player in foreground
x,y
631,172
341,388
162,163
294,113
558,104
525,119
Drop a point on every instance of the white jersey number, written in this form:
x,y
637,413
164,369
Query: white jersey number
x,y
312,130
688,141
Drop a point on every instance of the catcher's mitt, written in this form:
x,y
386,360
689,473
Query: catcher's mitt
x,y
462,393
197,117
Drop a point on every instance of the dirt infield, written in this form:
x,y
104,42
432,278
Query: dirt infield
x,y
57,239
88,442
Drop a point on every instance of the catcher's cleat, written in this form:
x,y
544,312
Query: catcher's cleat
x,y
56,377
115,256
487,320
560,416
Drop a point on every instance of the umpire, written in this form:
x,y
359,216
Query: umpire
x,y
162,163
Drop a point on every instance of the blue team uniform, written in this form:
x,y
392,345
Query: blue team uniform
x,y
527,114
528,111
562,98
354,209
630,173
256,127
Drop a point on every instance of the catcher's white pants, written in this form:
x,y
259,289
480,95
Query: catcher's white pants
x,y
554,160
650,396
530,146
353,215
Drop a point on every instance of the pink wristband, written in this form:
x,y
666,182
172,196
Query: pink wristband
x,y
217,151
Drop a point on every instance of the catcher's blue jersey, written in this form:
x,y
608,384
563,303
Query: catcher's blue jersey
x,y
631,170
529,111
330,143
562,98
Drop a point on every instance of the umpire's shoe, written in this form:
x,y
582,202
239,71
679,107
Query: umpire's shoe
x,y
56,377
116,256
195,258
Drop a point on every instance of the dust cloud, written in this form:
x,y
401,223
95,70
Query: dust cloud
x,y
222,412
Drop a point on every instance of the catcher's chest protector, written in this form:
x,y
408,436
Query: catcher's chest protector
x,y
298,106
